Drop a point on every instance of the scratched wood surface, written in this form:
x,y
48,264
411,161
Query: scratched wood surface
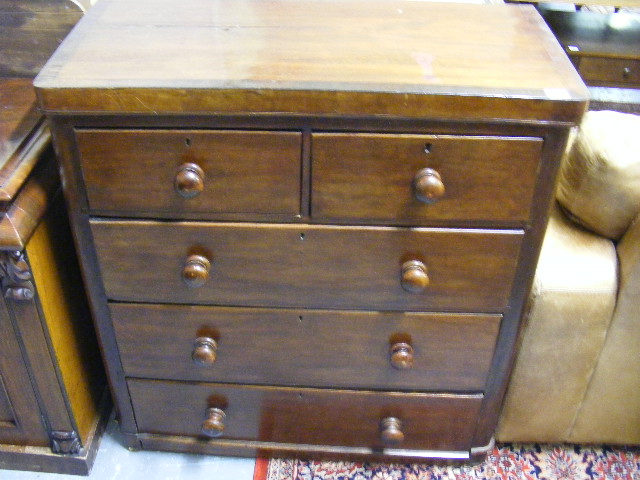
x,y
304,56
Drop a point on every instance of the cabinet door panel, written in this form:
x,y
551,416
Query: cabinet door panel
x,y
19,413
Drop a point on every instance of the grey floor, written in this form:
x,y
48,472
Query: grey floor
x,y
115,462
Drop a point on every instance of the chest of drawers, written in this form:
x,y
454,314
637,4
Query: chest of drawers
x,y
305,234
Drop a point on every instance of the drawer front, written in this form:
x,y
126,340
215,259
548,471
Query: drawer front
x,y
191,173
306,416
623,72
401,351
382,178
307,266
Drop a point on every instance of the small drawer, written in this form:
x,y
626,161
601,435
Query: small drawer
x,y
420,179
622,72
306,416
308,266
186,173
306,347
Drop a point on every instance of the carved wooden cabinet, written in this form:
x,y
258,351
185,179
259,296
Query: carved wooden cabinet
x,y
306,234
51,379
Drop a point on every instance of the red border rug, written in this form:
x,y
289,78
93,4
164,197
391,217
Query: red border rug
x,y
505,462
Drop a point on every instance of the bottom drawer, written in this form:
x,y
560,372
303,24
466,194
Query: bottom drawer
x,y
307,416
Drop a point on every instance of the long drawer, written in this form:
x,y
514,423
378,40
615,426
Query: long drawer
x,y
307,265
306,347
307,416
191,172
416,179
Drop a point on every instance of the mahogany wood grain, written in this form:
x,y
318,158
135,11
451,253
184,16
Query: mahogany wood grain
x,y
306,347
307,265
302,56
19,149
243,171
36,195
306,416
370,177
30,32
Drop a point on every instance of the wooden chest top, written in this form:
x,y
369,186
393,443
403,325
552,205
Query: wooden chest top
x,y
374,57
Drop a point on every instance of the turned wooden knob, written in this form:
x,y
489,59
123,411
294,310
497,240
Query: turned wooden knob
x,y
195,272
428,186
391,431
189,181
414,276
213,424
401,355
204,351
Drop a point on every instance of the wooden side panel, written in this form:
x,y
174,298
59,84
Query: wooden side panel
x,y
306,416
67,316
307,265
306,347
365,178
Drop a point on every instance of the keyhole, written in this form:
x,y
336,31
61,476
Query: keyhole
x,y
427,148
187,142
301,236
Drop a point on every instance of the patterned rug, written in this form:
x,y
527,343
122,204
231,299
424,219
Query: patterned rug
x,y
505,462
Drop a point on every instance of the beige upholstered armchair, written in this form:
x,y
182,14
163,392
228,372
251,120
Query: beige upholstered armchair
x,y
577,373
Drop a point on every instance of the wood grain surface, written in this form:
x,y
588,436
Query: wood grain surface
x,y
306,416
364,178
299,56
20,413
307,266
133,171
19,118
306,347
36,195
67,319
30,31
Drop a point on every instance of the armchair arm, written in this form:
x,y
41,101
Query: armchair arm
x,y
611,409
